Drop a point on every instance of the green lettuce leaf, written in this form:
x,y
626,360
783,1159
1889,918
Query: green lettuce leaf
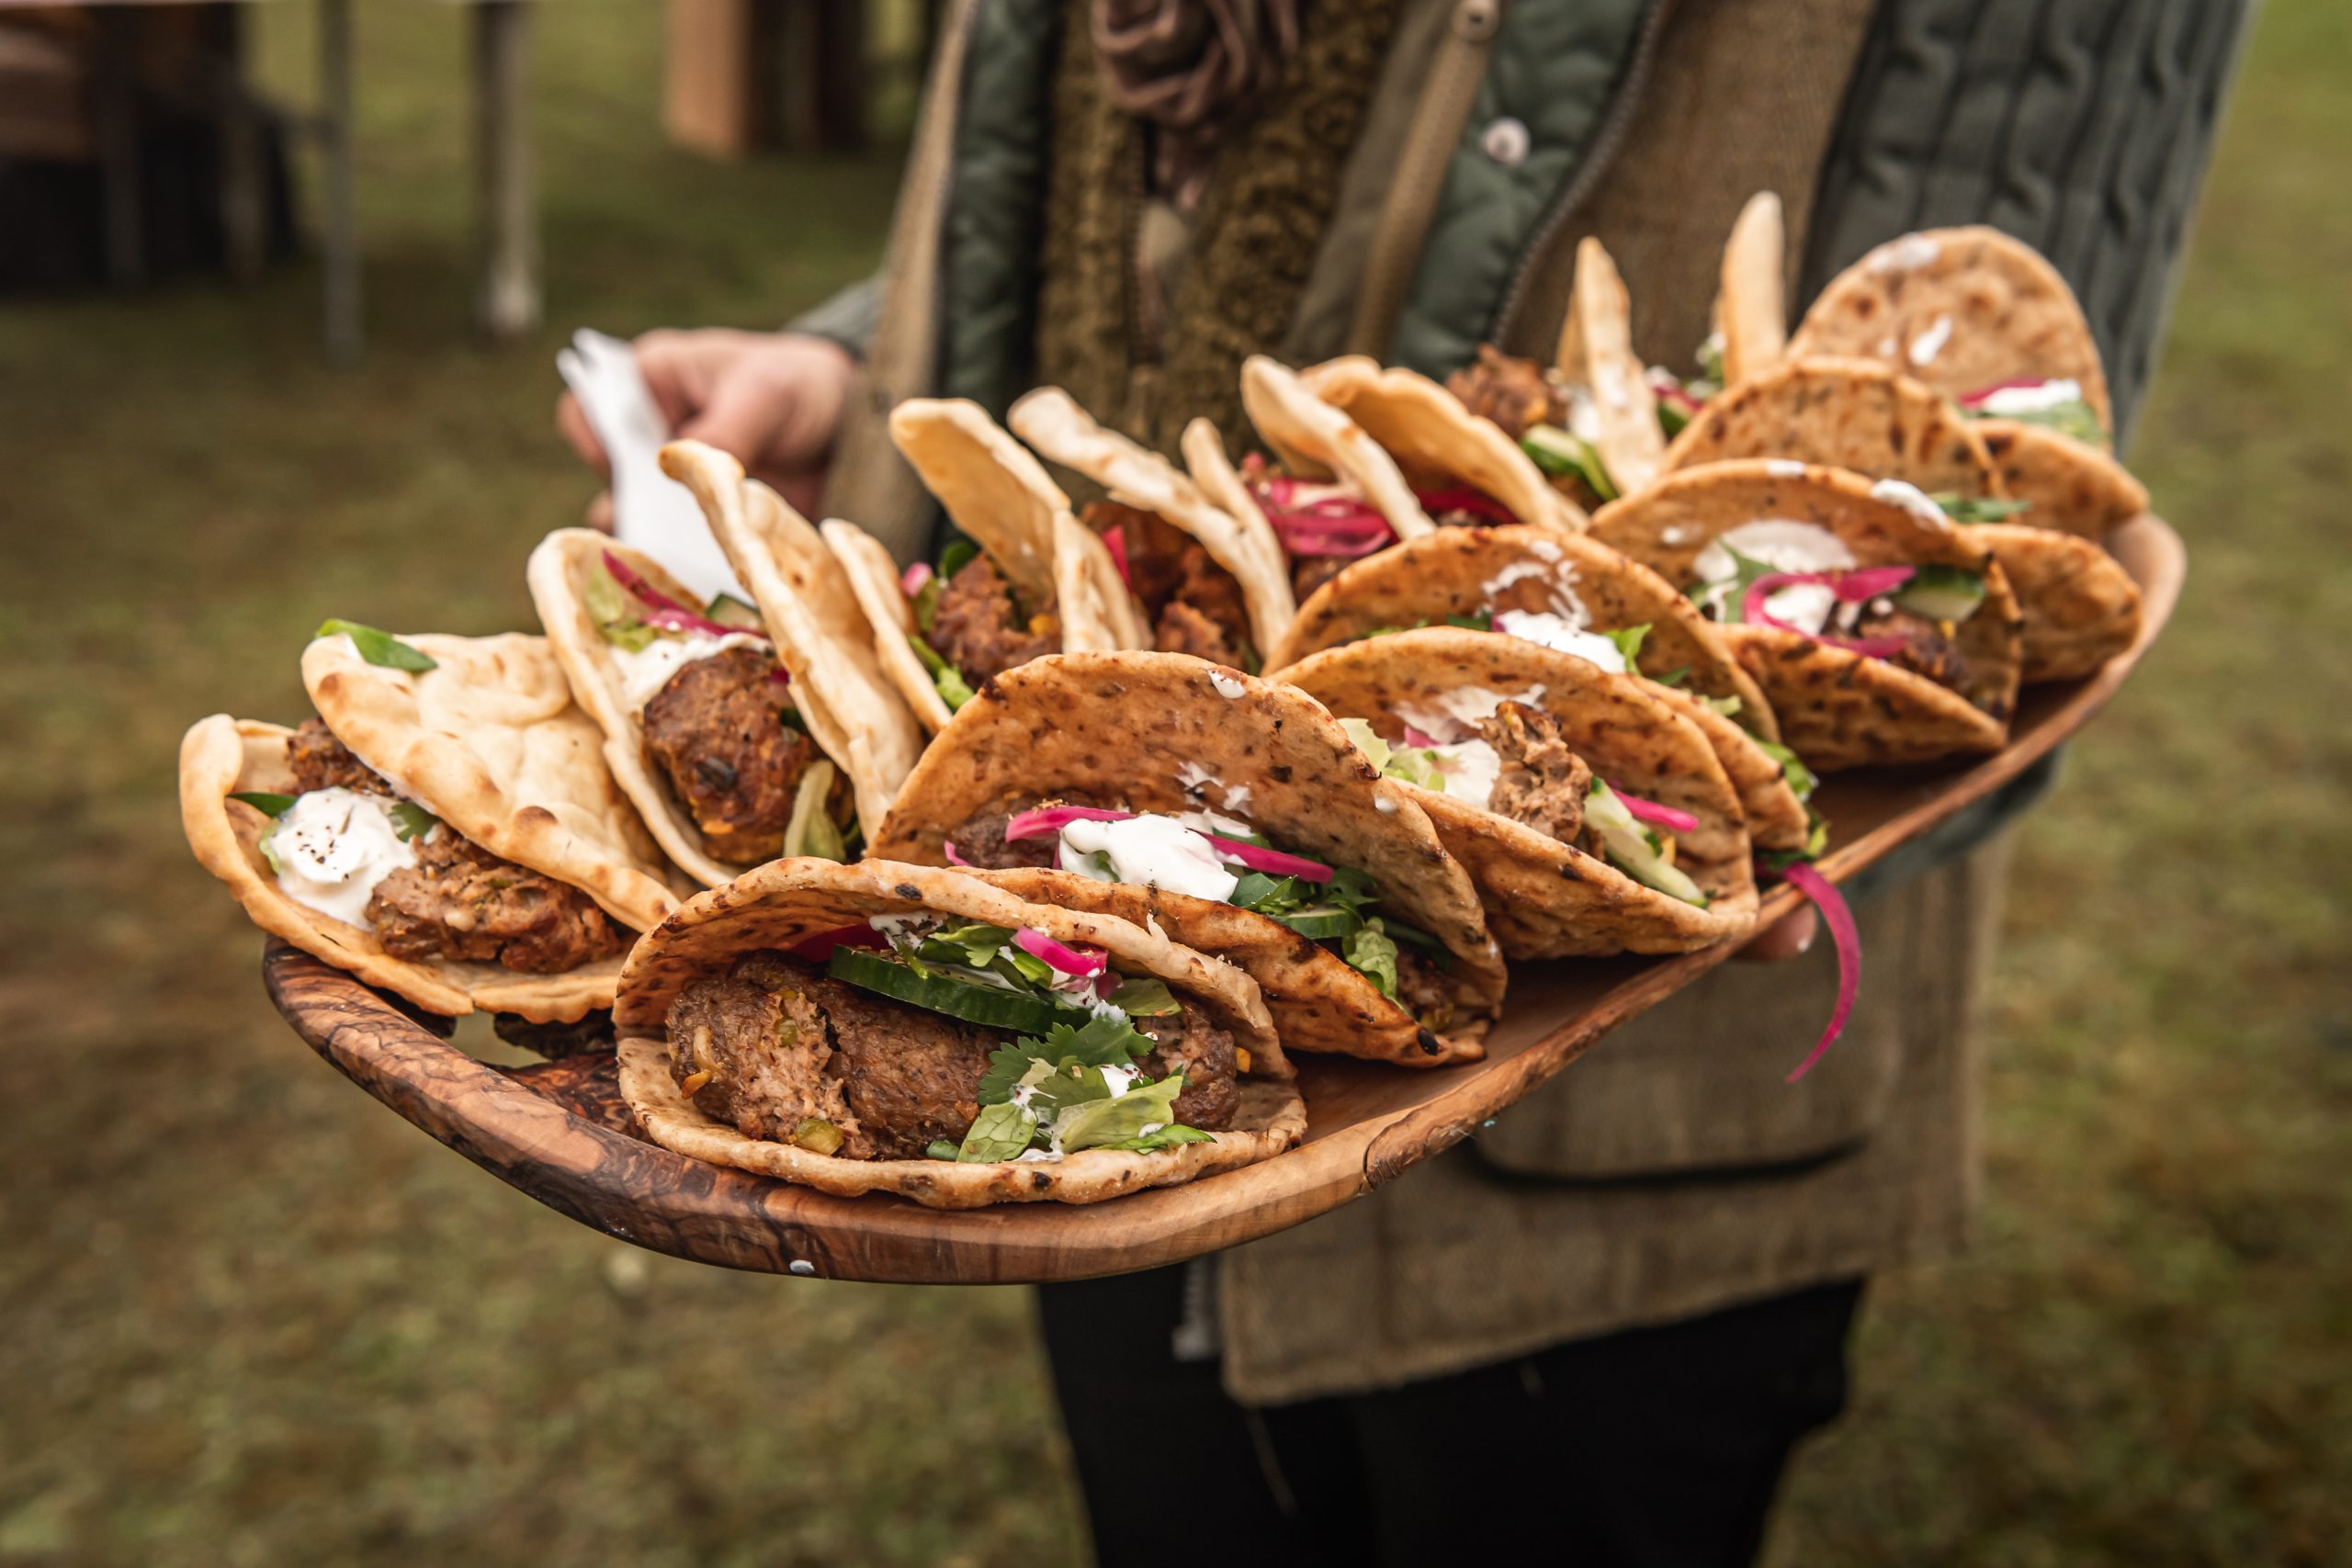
x,y
1145,996
1801,778
1102,1123
1000,1132
410,820
1372,954
381,648
1629,641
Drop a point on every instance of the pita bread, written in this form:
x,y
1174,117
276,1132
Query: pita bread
x,y
1838,709
1776,818
1751,304
1546,898
1963,310
1436,442
1317,1002
785,902
2081,607
2066,485
490,742
1461,571
1134,728
1244,543
221,756
1266,582
890,619
1842,414
1315,440
1597,353
821,636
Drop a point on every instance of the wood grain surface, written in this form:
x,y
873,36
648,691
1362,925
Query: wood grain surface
x,y
558,1131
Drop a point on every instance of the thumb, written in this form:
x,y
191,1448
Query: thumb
x,y
743,419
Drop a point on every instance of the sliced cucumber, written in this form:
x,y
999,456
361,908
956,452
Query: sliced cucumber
x,y
1322,922
1630,850
1941,593
1564,456
970,1001
811,832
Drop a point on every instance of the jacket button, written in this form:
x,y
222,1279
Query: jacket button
x,y
1505,141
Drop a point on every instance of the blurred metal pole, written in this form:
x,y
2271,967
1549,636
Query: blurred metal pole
x,y
340,236
505,186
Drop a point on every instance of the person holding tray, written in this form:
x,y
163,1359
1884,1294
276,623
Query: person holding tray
x,y
1597,1332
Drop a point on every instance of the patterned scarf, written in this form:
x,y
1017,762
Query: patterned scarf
x,y
1190,70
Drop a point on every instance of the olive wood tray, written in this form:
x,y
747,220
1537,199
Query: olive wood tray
x,y
560,1132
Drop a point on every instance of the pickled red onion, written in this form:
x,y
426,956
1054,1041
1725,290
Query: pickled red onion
x,y
1850,587
910,581
1975,398
955,856
1848,940
1041,820
1045,820
665,612
820,947
1462,498
1115,541
1068,959
1667,816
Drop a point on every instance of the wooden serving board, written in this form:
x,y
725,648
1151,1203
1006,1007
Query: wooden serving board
x,y
560,1132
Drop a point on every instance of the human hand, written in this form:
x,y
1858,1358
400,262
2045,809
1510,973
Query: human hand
x,y
772,401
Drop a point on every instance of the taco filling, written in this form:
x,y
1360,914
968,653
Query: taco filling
x,y
1501,753
1194,605
347,844
2057,403
972,623
1210,854
719,728
914,1035
1800,577
1554,420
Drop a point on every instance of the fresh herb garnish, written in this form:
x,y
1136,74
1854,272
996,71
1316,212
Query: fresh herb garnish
x,y
948,680
1143,996
268,805
1727,707
377,647
1976,508
1800,777
1629,641
410,820
1372,954
1727,600
1000,1132
615,613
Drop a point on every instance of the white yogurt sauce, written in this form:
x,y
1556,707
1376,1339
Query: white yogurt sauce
x,y
2010,401
1912,499
1553,631
332,847
1903,254
1780,469
1469,767
1930,343
1153,852
645,670
1226,685
1119,1080
1785,545
1454,715
1584,415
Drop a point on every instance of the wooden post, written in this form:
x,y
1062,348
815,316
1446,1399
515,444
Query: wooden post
x,y
245,185
115,101
340,238
504,180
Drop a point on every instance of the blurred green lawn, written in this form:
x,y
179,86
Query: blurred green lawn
x,y
252,1318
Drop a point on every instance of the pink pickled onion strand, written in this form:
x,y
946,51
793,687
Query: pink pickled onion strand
x,y
1057,955
1341,547
910,581
779,676
1850,587
674,620
1462,498
955,856
1848,940
1667,816
1416,738
1043,819
1868,583
644,591
1971,399
1115,541
1273,863
818,947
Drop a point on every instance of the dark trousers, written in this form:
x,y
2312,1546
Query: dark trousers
x,y
1656,1446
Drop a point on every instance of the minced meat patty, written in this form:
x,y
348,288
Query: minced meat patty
x,y
774,1043
460,901
1516,394
1423,989
1188,1043
1926,650
725,736
320,761
1194,604
1543,784
981,840
981,628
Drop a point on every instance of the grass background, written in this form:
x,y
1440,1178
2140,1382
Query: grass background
x,y
250,1318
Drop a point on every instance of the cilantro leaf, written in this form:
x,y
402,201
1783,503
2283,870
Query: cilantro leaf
x,y
381,648
1098,1043
410,820
1267,894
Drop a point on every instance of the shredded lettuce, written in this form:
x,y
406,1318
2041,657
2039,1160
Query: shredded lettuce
x,y
1372,954
811,830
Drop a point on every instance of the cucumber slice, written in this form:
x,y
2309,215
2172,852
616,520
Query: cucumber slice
x,y
1322,922
1941,593
968,999
1564,456
1629,847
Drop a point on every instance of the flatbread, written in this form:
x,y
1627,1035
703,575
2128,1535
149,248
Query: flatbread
x,y
1266,583
890,620
821,636
1751,300
785,902
1460,572
1596,353
2068,486
1545,899
1319,1004
492,744
1838,709
1315,440
1436,442
2081,607
996,491
221,756
1963,310
1776,818
1842,414
1136,726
